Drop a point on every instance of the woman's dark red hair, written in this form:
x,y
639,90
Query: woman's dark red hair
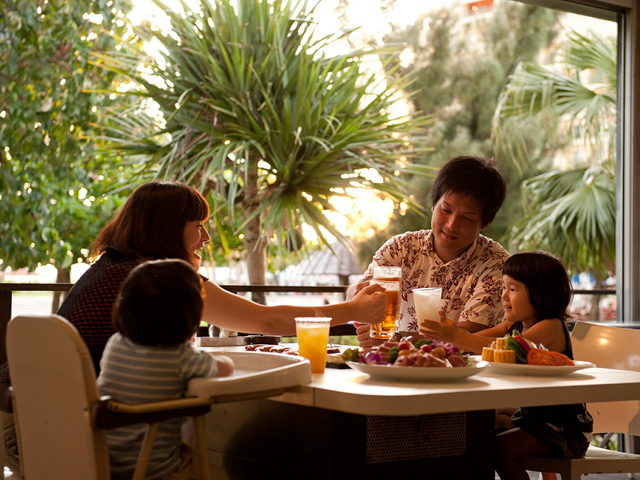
x,y
151,222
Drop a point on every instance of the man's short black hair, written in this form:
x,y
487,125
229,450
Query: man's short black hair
x,y
475,177
160,303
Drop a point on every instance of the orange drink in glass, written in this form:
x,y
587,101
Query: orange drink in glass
x,y
313,336
390,279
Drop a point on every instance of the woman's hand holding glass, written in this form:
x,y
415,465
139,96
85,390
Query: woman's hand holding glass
x,y
371,304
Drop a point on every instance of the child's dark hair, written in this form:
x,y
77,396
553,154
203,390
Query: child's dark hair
x,y
546,280
160,303
475,177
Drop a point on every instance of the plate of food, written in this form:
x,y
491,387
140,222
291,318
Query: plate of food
x,y
515,355
540,370
419,374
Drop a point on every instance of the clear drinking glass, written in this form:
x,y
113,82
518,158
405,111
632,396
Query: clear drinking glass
x,y
313,336
428,302
390,279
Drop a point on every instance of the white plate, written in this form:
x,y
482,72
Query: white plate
x,y
418,374
542,370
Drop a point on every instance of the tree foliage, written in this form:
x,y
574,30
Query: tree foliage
x,y
461,65
53,188
261,117
570,212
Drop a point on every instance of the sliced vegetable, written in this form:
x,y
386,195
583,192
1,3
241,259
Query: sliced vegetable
x,y
523,342
351,355
537,356
372,357
393,354
516,346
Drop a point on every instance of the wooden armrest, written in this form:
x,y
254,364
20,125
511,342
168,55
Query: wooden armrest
x,y
108,413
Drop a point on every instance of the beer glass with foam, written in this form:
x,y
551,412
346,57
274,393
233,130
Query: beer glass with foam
x,y
428,302
390,279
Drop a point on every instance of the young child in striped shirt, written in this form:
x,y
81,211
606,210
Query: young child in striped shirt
x,y
151,358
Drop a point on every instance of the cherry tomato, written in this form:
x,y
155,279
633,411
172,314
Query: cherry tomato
x,y
426,348
404,346
439,352
404,353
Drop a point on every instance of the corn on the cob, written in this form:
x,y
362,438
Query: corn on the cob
x,y
504,356
487,354
500,343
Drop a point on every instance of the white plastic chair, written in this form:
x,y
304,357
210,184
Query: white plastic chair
x,y
607,347
61,421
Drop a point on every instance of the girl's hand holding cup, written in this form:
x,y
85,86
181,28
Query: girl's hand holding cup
x,y
445,330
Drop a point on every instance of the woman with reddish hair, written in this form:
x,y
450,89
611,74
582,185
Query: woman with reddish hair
x,y
167,220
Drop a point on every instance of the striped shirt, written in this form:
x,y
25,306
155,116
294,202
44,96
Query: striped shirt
x,y
133,373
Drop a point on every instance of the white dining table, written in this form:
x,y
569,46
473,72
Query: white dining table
x,y
350,391
349,425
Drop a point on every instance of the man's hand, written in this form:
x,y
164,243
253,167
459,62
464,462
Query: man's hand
x,y
364,338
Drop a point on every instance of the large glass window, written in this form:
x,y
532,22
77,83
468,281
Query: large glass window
x,y
627,147
546,89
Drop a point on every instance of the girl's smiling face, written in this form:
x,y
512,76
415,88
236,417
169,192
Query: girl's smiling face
x,y
515,300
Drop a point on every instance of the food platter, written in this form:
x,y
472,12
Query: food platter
x,y
540,370
418,374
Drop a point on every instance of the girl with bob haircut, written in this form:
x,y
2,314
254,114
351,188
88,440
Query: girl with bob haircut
x,y
151,358
165,220
537,292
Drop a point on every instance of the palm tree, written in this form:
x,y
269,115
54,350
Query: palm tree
x,y
570,212
260,117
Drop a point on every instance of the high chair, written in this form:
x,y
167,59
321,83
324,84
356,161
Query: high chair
x,y
60,419
607,347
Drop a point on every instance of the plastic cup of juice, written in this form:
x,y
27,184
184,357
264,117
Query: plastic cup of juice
x,y
313,336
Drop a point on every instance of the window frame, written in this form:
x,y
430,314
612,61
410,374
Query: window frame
x,y
627,14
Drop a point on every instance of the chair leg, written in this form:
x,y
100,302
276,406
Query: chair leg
x,y
200,457
145,451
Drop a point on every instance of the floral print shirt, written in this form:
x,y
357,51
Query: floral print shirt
x,y
471,284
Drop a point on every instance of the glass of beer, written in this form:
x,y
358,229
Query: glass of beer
x,y
428,302
390,279
313,336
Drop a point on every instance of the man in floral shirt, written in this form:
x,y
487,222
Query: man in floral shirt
x,y
453,255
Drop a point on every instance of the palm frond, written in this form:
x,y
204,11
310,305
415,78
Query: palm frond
x,y
540,95
572,214
249,80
